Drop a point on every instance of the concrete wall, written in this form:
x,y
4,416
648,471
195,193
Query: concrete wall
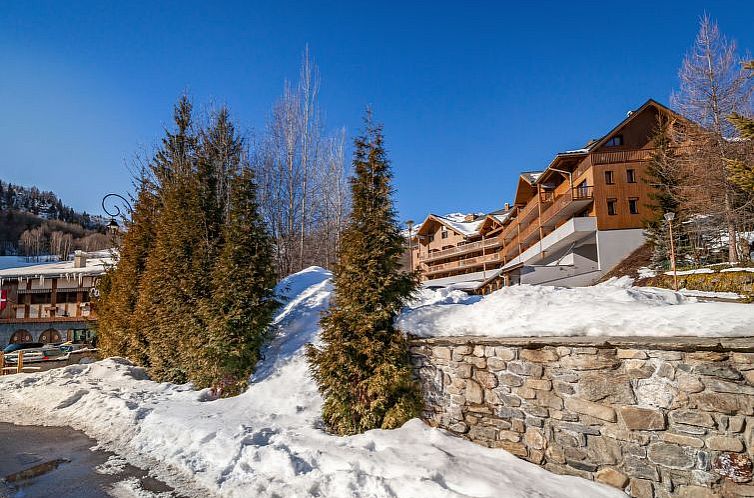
x,y
654,417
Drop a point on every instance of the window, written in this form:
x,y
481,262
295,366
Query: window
x,y
631,175
444,233
615,141
431,238
611,205
609,178
41,298
633,206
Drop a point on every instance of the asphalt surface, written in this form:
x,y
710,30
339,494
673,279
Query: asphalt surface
x,y
59,462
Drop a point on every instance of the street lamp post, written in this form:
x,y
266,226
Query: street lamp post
x,y
669,217
112,225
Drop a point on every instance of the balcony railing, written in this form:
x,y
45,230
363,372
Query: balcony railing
x,y
460,249
463,263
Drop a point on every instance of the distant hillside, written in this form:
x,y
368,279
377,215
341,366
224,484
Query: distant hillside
x,y
35,222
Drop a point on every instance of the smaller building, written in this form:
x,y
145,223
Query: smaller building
x,y
51,303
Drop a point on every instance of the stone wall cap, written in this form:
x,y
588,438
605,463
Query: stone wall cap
x,y
680,343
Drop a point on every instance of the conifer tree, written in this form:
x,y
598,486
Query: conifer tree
x,y
243,301
362,369
742,172
168,295
662,174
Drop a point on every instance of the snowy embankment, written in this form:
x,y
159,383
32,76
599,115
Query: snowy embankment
x,y
614,308
268,441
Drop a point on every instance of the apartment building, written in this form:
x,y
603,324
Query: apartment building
x,y
51,302
569,223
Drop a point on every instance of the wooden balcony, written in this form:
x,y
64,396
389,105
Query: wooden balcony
x,y
460,249
462,264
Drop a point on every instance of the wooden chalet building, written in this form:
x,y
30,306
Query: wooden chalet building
x,y
50,303
569,224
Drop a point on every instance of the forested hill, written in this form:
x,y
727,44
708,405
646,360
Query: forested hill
x,y
43,204
43,217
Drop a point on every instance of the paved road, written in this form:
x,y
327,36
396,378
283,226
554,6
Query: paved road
x,y
58,463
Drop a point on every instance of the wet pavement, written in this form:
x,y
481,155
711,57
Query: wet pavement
x,y
60,462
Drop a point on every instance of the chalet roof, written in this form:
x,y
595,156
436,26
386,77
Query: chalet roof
x,y
465,282
531,176
454,221
96,264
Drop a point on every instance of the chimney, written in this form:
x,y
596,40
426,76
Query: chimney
x,y
79,259
507,206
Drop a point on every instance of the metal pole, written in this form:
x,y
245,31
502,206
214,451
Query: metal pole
x,y
672,256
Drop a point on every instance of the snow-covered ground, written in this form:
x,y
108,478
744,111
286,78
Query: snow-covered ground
x,y
614,308
20,261
269,441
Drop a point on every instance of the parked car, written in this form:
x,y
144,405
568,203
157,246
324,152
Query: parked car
x,y
47,352
11,348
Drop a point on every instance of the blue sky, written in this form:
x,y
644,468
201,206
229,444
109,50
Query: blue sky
x,y
470,93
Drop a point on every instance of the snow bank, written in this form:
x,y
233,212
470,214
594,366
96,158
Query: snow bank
x,y
614,308
268,441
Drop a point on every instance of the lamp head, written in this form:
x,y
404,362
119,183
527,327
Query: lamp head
x,y
670,216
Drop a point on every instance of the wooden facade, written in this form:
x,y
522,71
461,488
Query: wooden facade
x,y
604,181
50,303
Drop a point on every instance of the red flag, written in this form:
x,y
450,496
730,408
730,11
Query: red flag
x,y
3,299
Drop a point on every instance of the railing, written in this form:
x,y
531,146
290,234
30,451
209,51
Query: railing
x,y
621,156
18,367
459,249
463,263
530,228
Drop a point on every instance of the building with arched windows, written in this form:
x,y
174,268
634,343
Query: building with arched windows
x,y
51,302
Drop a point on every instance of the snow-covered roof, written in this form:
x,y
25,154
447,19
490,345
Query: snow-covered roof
x,y
531,176
467,281
465,228
94,266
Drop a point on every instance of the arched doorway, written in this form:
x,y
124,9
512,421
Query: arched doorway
x,y
50,335
20,336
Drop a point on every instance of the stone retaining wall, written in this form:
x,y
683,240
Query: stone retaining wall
x,y
655,417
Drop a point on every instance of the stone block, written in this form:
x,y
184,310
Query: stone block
x,y
505,354
534,421
695,492
671,455
725,443
723,386
716,402
631,354
638,369
539,384
524,368
640,467
478,351
580,428
463,371
479,433
642,419
441,352
524,392
534,438
604,450
458,427
505,435
584,350
596,410
489,351
477,361
561,387
721,371
612,477
536,456
495,364
486,379
581,465
549,399
474,392
509,400
665,370
595,386
590,362
517,424
692,417
655,391
688,383
640,488
510,379
563,351
666,355
671,437
539,355
736,424
506,412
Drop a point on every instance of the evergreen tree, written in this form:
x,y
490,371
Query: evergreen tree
x,y
168,295
362,368
662,174
742,172
243,301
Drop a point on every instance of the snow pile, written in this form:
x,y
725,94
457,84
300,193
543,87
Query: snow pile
x,y
614,308
269,441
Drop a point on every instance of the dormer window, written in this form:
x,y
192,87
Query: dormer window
x,y
615,141
444,233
